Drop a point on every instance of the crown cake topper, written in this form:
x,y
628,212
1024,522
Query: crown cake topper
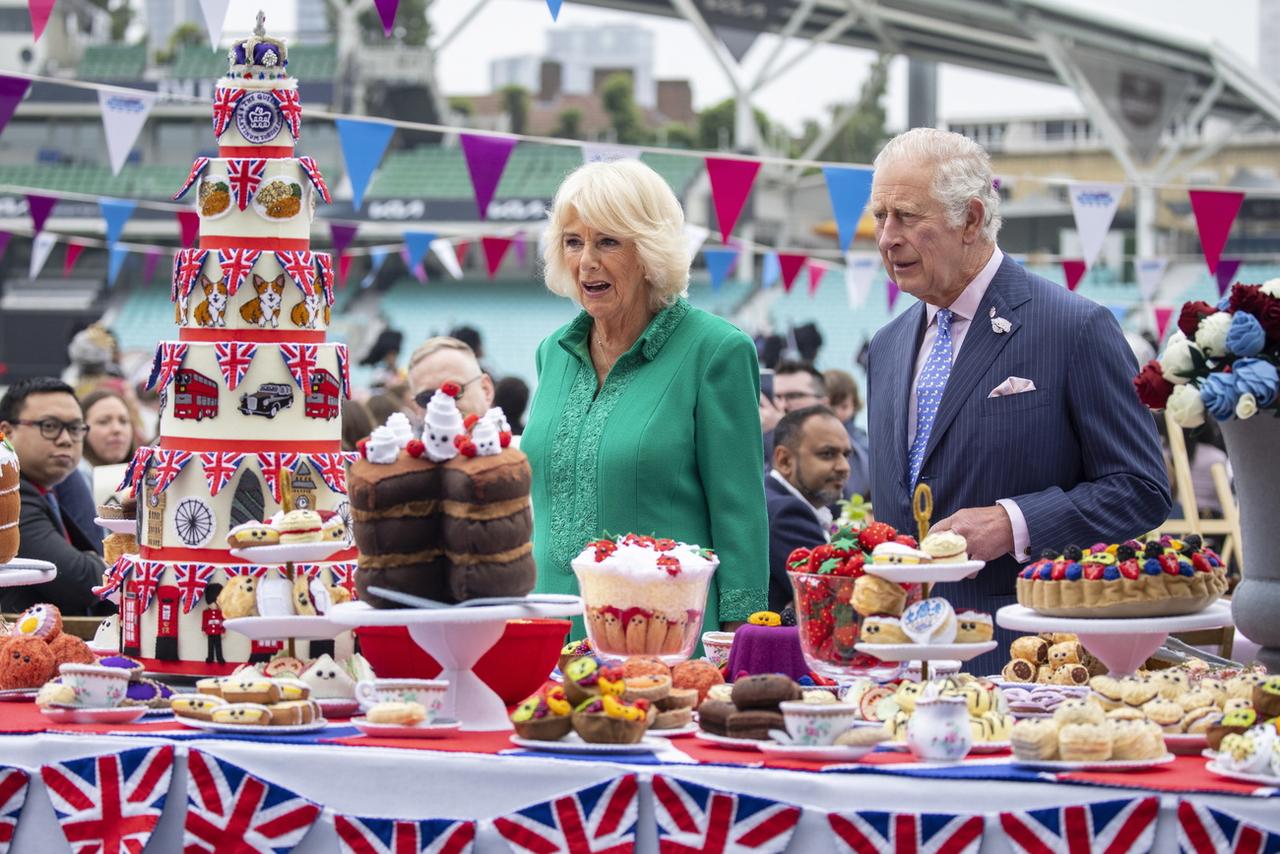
x,y
259,55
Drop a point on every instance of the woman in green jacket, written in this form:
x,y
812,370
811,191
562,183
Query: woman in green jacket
x,y
646,415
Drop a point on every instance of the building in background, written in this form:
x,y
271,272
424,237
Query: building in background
x,y
162,17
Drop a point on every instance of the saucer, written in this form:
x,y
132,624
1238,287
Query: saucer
x,y
438,729
112,715
817,752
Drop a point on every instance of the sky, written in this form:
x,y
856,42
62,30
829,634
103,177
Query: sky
x,y
827,74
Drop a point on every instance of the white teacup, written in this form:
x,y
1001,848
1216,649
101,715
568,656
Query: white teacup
x,y
96,687
427,692
817,724
717,645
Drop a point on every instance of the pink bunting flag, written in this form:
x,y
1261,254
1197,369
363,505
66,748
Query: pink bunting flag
x,y
486,159
189,227
344,267
387,12
74,251
731,182
460,250
1073,269
495,248
40,11
1163,314
892,290
521,247
1226,273
149,265
1215,211
40,207
816,271
791,264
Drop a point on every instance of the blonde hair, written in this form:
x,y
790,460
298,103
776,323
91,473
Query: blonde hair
x,y
626,199
961,173
438,343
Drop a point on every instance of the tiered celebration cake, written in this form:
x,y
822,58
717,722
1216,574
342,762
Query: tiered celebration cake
x,y
250,391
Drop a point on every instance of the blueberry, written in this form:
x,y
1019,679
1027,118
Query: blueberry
x,y
1186,569
1074,571
1111,573
1151,566
1046,572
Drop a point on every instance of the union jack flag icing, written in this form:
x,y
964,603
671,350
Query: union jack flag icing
x,y
219,468
693,818
344,368
1204,830
900,833
344,576
599,818
110,804
137,465
393,836
1113,827
325,260
225,100
270,463
197,169
168,361
113,577
187,266
230,810
234,359
317,180
301,360
13,794
144,579
169,464
301,267
310,570
236,265
332,468
291,109
192,579
244,176
252,570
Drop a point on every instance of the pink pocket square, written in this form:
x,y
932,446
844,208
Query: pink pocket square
x,y
1013,385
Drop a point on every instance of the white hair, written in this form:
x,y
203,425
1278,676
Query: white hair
x,y
627,199
962,173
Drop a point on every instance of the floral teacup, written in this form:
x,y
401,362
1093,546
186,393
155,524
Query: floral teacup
x,y
717,645
817,724
95,686
429,693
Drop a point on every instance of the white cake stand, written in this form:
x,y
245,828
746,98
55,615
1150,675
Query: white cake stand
x,y
24,571
295,627
1121,644
457,637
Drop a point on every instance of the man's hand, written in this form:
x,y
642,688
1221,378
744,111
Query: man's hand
x,y
770,414
987,530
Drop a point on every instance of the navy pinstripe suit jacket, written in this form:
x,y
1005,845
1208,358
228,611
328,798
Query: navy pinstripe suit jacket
x,y
1080,454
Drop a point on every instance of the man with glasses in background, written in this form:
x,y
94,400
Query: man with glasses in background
x,y
442,359
42,419
796,385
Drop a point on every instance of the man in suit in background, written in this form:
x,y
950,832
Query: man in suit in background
x,y
810,467
1007,394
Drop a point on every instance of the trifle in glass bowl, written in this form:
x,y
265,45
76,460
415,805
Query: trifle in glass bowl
x,y
644,595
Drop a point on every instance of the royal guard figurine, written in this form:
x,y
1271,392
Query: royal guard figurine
x,y
211,624
167,598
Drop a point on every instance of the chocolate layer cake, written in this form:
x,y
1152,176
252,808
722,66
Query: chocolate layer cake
x,y
447,531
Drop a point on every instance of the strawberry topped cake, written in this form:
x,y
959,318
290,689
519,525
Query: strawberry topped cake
x,y
644,595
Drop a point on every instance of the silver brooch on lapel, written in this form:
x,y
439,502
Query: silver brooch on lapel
x,y
998,324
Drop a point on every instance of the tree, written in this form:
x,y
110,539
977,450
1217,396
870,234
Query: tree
x,y
863,134
619,102
187,34
716,125
515,103
678,135
411,20
461,105
570,126
121,16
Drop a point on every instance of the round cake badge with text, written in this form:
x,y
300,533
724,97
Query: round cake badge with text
x,y
258,117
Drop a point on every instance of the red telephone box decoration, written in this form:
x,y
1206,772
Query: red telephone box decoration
x,y
130,624
168,597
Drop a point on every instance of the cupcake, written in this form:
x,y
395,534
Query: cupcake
x,y
610,720
1266,697
546,716
1237,722
945,547
650,687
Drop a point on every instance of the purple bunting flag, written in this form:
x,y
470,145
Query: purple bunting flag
x,y
486,159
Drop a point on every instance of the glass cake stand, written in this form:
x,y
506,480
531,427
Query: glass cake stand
x,y
1122,644
24,571
457,637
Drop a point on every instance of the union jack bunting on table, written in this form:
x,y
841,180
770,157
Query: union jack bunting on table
x,y
113,577
301,267
397,836
197,169
271,463
309,166
244,175
594,820
225,100
333,469
169,464
110,804
906,833
1113,827
693,818
219,468
13,794
234,359
1204,830
192,579
230,811
236,265
291,109
144,579
301,360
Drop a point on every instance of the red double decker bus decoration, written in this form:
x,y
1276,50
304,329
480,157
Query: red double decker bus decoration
x,y
322,397
195,396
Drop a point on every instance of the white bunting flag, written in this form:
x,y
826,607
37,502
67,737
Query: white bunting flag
x,y
122,119
41,245
443,250
1149,271
860,268
215,14
1094,206
592,151
695,236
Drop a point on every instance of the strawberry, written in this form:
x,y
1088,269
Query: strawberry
x,y
798,560
452,389
1059,570
844,593
670,563
470,421
1169,563
875,534
829,566
906,540
1129,568
664,545
363,447
1200,562
459,439
1093,571
851,567
468,448
504,438
814,635
415,448
846,636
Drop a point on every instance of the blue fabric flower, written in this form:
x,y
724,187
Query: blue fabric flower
x,y
1257,377
1219,394
1224,304
1246,336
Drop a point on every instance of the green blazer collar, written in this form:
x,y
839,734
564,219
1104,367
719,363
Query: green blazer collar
x,y
648,345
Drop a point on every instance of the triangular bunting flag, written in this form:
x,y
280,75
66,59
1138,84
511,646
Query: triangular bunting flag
x,y
1094,206
332,469
291,108
227,807
735,39
116,256
197,169
41,245
74,250
849,189
387,12
1118,827
1163,314
215,14
235,266
191,580
301,360
188,227
598,818
13,794
122,119
1074,270
149,265
168,465
495,248
486,160
520,247
608,152
859,269
770,270
12,91
342,236
858,832
892,290
1215,211
694,237
5,237
816,271
272,464
110,802
219,468
417,243
234,359
301,267
40,11
245,175
1204,830
40,207
309,166
692,817
1226,273
363,144
720,262
387,835
145,577
731,181
1149,272
116,212
377,257
790,264
554,7
460,250
448,258
344,267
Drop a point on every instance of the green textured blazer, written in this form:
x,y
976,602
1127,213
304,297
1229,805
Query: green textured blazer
x,y
670,446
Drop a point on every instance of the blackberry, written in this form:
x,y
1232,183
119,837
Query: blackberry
x,y
1072,553
1048,554
788,616
1153,549
1124,553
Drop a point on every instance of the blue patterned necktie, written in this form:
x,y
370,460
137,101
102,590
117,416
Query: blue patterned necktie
x,y
933,380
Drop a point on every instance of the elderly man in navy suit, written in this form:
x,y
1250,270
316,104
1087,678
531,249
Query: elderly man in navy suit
x,y
1008,395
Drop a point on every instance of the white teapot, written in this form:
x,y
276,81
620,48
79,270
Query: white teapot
x,y
939,728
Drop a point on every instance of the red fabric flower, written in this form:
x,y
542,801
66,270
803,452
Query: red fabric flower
x,y
1248,298
1192,314
1270,318
1153,389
